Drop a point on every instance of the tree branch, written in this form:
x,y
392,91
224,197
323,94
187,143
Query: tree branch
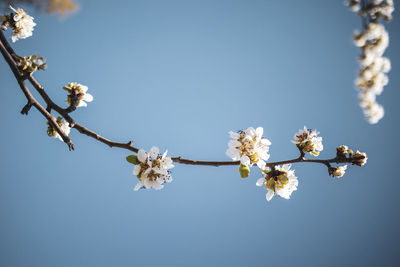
x,y
31,100
7,51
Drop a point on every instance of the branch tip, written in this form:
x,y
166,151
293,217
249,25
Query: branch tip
x,y
70,146
26,108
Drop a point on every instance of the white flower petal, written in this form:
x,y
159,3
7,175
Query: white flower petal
x,y
260,181
234,143
88,97
142,156
259,131
136,169
269,195
154,151
245,160
138,186
82,104
234,135
261,164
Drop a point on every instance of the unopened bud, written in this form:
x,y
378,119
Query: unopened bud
x,y
341,151
359,158
338,171
244,171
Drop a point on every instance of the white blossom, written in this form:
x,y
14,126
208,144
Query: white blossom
x,y
374,112
280,180
64,126
338,171
373,42
359,158
308,140
78,95
22,25
249,146
32,63
153,169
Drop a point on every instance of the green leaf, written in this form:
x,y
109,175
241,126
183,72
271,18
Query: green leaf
x,y
132,159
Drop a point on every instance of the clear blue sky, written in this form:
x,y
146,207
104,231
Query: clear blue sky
x,y
179,75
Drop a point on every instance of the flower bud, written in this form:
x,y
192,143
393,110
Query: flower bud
x,y
244,171
359,158
32,63
341,151
338,171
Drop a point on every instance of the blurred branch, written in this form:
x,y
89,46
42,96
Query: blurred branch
x,y
62,7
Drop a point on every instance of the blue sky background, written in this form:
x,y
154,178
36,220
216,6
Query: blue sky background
x,y
179,75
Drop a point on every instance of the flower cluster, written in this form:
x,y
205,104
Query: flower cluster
x,y
250,147
344,154
21,23
63,125
373,42
308,140
356,158
32,63
280,180
152,169
77,95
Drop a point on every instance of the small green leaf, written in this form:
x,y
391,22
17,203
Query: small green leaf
x,y
132,159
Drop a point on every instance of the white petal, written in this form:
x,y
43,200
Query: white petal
x,y
138,186
259,131
265,142
84,88
167,163
265,156
269,195
154,152
245,160
157,185
234,143
136,170
233,153
146,172
147,183
82,104
286,167
88,97
260,181
261,164
142,156
234,135
164,154
251,131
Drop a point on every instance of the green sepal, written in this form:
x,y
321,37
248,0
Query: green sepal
x,y
133,159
